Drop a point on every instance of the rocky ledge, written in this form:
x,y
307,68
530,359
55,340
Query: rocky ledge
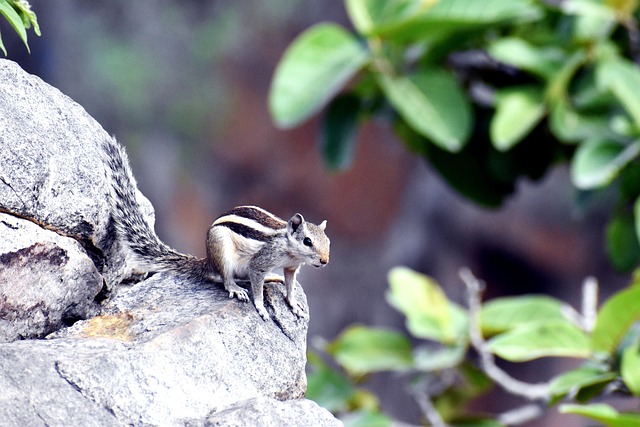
x,y
79,348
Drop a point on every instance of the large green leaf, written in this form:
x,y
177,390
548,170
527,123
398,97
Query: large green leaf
x,y
622,242
542,339
570,126
518,111
597,162
604,414
503,314
429,312
543,62
630,367
371,16
441,18
339,130
614,319
433,103
327,387
622,77
10,14
573,381
361,350
313,69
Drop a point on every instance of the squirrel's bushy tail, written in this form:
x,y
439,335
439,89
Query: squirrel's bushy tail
x,y
129,221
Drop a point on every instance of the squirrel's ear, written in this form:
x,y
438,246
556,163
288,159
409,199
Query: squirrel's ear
x,y
323,225
295,222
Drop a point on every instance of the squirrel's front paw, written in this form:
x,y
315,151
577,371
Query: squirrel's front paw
x,y
236,291
263,313
296,307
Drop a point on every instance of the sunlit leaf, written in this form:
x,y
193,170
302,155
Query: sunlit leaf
x,y
542,339
370,16
361,350
456,16
429,359
503,314
433,103
366,418
519,53
313,69
327,387
622,77
570,126
518,111
10,14
615,317
604,414
630,368
29,17
429,312
573,381
597,162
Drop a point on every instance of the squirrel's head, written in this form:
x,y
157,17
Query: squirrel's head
x,y
308,241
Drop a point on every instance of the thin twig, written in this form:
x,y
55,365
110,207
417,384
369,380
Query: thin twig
x,y
426,406
589,303
504,380
520,415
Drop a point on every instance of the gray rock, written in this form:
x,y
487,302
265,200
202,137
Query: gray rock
x,y
267,412
165,351
46,280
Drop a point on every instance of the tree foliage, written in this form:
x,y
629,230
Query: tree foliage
x,y
488,92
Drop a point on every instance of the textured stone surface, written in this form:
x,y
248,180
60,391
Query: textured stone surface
x,y
162,352
46,280
267,412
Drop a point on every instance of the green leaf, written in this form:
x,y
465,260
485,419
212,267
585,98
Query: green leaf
x,y
597,162
604,414
503,314
519,53
313,69
542,339
339,130
614,319
570,126
622,242
433,103
361,350
370,16
622,77
439,19
630,367
327,387
428,359
518,111
29,17
573,381
7,10
429,313
366,418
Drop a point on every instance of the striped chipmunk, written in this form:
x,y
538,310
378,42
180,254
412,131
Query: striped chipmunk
x,y
245,243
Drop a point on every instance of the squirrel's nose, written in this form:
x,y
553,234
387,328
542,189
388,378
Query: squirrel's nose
x,y
324,261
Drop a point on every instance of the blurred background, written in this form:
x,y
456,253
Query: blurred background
x,y
184,84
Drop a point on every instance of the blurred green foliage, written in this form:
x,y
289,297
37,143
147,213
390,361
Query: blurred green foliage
x,y
489,92
517,329
19,15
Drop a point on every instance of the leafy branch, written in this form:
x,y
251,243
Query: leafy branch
x,y
454,358
20,16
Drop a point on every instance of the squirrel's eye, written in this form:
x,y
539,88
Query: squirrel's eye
x,y
307,242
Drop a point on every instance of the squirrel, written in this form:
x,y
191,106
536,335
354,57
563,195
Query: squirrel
x,y
246,242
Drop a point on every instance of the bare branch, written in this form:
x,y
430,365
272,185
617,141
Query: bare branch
x,y
520,415
504,380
